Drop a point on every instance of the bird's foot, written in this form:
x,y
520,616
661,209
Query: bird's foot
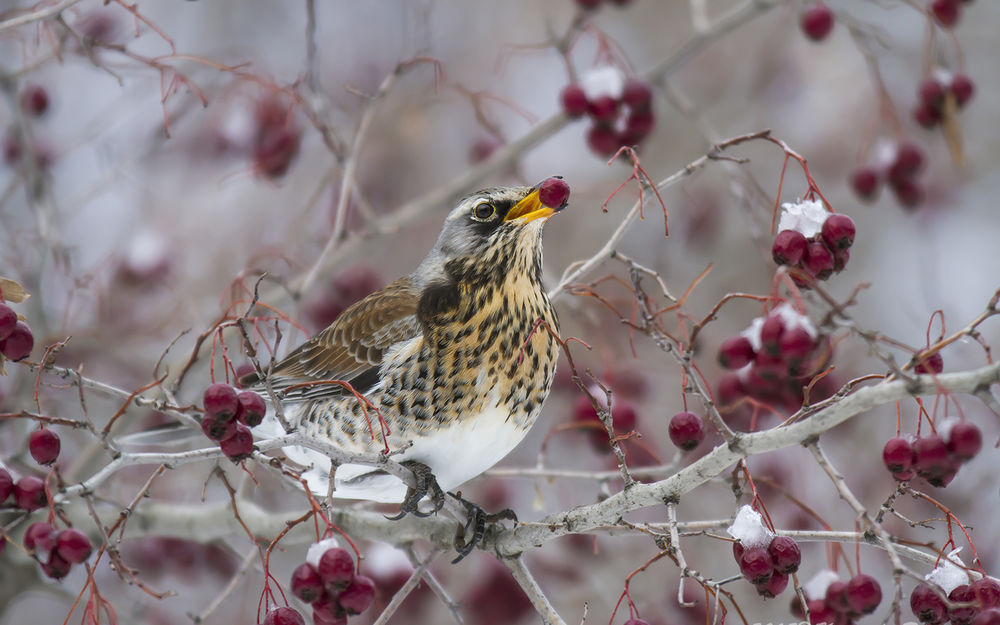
x,y
424,485
475,526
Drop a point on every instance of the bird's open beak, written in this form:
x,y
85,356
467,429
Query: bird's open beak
x,y
531,208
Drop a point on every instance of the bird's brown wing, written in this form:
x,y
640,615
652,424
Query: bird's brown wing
x,y
352,347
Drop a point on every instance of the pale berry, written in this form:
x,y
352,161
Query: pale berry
x,y
638,95
965,440
19,343
44,446
336,567
686,430
817,21
908,192
574,100
553,192
865,182
838,231
836,596
990,616
603,110
306,583
770,334
962,615
818,260
40,536
962,88
946,12
795,344
774,586
239,445
735,352
898,454
932,94
358,596
275,149
788,248
909,160
220,400
283,616
73,545
927,606
756,565
8,319
29,493
730,389
6,485
603,140
251,409
863,593
932,363
785,554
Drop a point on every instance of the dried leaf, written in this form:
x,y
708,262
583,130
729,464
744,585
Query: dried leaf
x,y
952,131
12,291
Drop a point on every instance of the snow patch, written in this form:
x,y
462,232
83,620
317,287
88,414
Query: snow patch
x,y
950,574
317,550
806,216
748,528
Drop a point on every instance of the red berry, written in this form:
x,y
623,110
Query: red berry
x,y
574,100
6,485
909,194
946,12
908,162
817,21
931,460
756,565
283,616
926,116
838,231
730,389
987,592
933,363
735,352
220,400
35,100
840,258
18,343
326,611
358,596
818,260
603,140
336,567
963,615
865,182
637,126
251,409
962,88
770,334
29,493
738,550
774,586
795,344
638,95
275,148
306,583
898,455
788,247
603,110
932,94
218,429
686,430
785,553
239,445
40,536
8,319
965,440
820,613
863,593
553,192
56,567
44,446
927,606
836,596
73,546
990,616
904,476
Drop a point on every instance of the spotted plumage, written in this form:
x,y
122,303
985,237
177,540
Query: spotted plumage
x,y
453,355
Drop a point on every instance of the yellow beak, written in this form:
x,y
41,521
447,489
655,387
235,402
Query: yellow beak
x,y
530,208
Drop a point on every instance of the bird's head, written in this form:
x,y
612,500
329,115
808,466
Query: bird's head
x,y
495,231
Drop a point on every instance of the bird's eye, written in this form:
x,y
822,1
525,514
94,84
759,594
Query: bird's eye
x,y
483,211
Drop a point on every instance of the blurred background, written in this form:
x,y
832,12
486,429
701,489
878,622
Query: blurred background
x,y
178,154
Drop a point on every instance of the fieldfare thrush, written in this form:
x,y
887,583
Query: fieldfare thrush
x,y
455,356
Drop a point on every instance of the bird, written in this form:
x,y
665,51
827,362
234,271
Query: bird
x,y
458,357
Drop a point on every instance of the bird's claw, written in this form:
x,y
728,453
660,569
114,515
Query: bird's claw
x,y
477,520
424,484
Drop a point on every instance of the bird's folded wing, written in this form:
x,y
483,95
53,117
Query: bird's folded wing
x,y
352,347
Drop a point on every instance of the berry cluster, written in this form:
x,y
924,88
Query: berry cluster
x,y
832,600
935,457
331,585
934,92
277,139
605,95
984,594
16,339
769,359
817,21
56,550
686,430
765,560
28,492
947,12
229,415
897,165
813,240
